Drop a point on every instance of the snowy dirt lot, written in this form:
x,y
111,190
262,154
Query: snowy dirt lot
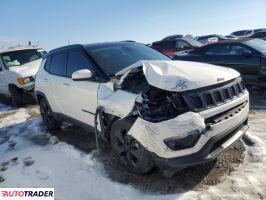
x,y
66,160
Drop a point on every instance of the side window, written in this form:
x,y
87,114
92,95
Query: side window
x,y
76,61
168,44
179,44
218,50
58,64
238,50
47,64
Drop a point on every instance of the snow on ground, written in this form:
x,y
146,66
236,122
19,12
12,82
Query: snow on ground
x,y
13,118
79,176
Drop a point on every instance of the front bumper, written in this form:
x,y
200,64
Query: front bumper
x,y
28,89
211,150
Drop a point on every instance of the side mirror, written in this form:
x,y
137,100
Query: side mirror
x,y
81,75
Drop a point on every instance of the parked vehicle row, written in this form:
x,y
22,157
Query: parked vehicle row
x,y
206,39
260,34
171,45
247,33
247,56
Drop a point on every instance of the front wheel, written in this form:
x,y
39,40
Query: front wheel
x,y
49,120
16,96
131,154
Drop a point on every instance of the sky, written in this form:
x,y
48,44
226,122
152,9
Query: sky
x,y
55,23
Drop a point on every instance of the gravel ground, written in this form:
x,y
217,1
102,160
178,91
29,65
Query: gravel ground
x,y
193,178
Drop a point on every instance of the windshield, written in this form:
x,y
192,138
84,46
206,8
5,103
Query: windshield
x,y
20,57
114,57
258,44
194,43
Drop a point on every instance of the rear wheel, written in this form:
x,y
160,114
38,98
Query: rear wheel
x,y
131,154
16,96
47,116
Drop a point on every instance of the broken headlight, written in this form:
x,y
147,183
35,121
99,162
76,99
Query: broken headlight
x,y
160,105
177,143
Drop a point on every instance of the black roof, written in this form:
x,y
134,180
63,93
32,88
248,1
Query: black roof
x,y
73,46
78,46
100,44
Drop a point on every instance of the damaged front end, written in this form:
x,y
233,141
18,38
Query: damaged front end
x,y
163,122
150,94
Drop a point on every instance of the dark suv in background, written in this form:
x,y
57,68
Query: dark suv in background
x,y
248,56
169,46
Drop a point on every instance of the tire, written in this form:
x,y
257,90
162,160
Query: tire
x,y
130,153
47,115
16,96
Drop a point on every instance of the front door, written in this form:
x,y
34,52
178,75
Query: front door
x,y
80,96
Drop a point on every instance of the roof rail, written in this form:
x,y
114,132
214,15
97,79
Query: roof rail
x,y
10,47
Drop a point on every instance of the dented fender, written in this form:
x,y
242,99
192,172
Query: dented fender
x,y
119,103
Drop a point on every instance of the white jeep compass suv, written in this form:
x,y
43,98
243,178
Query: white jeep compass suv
x,y
18,67
154,111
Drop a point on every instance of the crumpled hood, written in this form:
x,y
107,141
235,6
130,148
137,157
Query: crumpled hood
x,y
181,75
28,69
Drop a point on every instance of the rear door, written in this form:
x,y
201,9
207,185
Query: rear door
x,y
58,86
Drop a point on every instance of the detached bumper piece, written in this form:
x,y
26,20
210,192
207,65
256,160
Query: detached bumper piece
x,y
211,150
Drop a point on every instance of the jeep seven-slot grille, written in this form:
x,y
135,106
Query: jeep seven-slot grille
x,y
202,99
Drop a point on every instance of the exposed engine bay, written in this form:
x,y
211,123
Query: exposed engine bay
x,y
153,104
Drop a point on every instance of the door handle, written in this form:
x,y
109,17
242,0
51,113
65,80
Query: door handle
x,y
45,79
66,84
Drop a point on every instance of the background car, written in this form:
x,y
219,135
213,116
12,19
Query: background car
x,y
247,33
173,37
231,37
18,67
260,34
248,56
241,33
206,39
172,45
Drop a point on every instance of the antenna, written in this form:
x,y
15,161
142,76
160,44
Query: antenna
x,y
68,42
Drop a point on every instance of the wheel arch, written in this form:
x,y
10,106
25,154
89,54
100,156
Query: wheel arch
x,y
12,85
39,96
